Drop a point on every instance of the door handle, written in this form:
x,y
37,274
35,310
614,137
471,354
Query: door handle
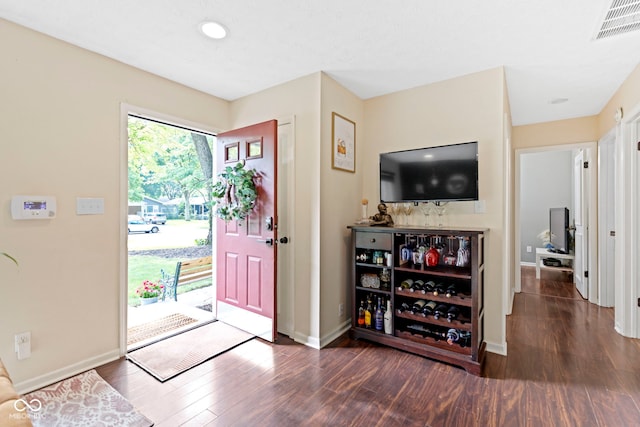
x,y
269,242
284,240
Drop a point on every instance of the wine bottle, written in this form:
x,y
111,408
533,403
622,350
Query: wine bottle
x,y
406,284
462,338
387,318
368,312
418,286
427,332
428,308
451,290
453,313
428,286
361,314
404,307
438,289
379,317
452,336
440,311
417,306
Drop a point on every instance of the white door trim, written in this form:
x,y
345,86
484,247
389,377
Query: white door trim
x,y
286,264
627,321
606,202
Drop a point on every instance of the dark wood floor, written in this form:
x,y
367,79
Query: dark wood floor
x,y
566,367
551,283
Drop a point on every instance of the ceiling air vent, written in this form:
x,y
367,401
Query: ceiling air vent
x,y
622,17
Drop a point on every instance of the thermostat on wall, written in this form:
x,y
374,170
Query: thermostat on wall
x,y
33,207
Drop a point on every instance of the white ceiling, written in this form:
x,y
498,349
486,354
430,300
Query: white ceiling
x,y
372,47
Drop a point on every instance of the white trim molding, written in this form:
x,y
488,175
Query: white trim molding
x,y
66,372
627,229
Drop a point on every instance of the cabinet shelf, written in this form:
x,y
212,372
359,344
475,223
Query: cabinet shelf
x,y
365,264
415,337
464,300
416,333
374,290
459,323
440,270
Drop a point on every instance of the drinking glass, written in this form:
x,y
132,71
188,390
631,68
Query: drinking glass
x,y
407,209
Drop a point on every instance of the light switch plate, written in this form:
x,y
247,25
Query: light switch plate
x,y
89,206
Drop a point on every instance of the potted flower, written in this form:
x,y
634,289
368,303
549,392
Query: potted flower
x,y
149,292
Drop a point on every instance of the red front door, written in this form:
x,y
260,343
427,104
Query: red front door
x,y
246,252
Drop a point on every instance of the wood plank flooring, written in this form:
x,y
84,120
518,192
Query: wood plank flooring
x,y
566,367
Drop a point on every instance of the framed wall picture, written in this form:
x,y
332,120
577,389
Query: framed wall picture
x,y
343,143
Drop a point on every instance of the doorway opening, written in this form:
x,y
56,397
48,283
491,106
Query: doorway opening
x,y
168,225
560,188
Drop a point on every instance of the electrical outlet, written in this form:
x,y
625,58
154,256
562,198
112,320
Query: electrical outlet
x,y
23,345
341,309
529,249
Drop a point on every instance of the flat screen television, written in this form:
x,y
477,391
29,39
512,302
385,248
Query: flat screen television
x,y
432,174
559,230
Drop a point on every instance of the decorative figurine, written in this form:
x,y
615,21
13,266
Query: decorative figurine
x,y
382,217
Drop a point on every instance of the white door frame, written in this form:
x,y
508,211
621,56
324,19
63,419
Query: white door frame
x,y
592,262
125,110
286,211
627,320
606,217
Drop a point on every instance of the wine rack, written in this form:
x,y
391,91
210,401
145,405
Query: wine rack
x,y
423,271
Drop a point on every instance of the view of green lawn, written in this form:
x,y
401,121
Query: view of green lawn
x,y
143,268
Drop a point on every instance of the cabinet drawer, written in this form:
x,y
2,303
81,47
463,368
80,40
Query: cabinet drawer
x,y
373,240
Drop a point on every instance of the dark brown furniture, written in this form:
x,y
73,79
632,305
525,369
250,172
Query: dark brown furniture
x,y
416,333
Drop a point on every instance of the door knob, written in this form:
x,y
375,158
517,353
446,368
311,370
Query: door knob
x,y
284,240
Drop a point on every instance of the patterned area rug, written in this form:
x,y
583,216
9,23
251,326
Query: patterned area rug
x,y
160,326
83,400
171,357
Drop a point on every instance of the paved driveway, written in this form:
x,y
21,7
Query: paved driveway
x,y
174,234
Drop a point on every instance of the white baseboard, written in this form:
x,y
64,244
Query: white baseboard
x,y
527,264
318,343
307,340
331,336
66,372
500,349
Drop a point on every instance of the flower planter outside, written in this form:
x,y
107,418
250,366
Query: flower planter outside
x,y
145,301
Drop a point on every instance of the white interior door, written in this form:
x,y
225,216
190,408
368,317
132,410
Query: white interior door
x,y
580,218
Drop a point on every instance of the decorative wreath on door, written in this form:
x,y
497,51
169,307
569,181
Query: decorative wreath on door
x,y
235,193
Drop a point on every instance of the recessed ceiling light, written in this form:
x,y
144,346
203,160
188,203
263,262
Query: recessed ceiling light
x,y
213,30
558,101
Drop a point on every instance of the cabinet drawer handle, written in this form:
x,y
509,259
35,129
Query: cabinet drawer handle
x,y
373,240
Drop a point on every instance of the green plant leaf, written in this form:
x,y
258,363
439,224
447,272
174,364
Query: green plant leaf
x,y
10,257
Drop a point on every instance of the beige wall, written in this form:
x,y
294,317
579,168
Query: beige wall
x,y
582,129
299,98
341,195
60,135
626,97
468,108
571,131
